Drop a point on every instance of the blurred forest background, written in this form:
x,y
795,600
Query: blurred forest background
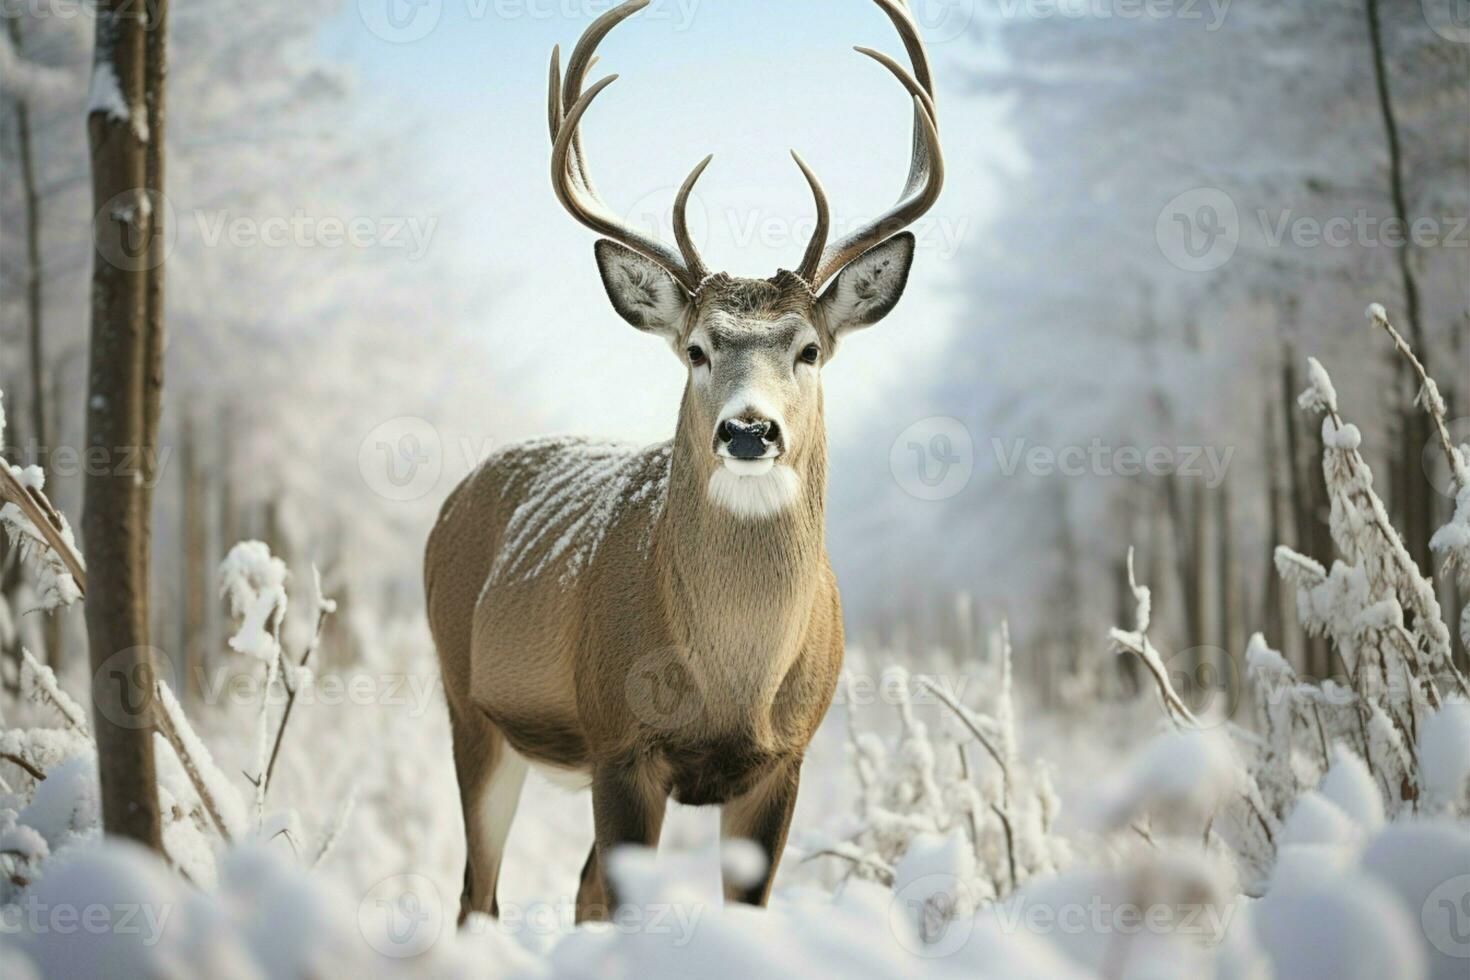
x,y
1061,309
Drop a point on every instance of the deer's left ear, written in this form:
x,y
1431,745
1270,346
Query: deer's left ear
x,y
868,287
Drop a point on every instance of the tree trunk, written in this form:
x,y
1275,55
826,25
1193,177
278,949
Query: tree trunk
x,y
194,561
1227,578
1418,499
1273,614
114,526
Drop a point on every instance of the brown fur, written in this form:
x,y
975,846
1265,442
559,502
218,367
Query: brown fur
x,y
692,653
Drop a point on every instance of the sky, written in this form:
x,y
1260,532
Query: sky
x,y
746,80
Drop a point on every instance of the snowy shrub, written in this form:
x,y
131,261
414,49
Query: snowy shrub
x,y
39,530
957,801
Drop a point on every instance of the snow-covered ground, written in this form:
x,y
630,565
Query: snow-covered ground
x,y
946,827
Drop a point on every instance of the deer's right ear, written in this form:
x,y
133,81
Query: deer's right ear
x,y
641,290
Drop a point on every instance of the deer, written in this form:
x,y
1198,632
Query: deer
x,y
663,622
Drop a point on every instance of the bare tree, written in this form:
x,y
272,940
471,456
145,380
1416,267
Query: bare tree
x,y
122,414
1414,501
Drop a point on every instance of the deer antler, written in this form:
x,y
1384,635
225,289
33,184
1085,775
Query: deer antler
x,y
926,167
570,178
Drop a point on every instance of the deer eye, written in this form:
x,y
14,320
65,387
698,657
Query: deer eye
x,y
696,355
810,353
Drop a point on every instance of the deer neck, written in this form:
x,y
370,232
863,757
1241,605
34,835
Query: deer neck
x,y
736,585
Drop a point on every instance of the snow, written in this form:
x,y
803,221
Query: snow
x,y
254,582
1318,820
572,492
1319,395
1444,755
1337,926
1349,785
1178,776
1426,865
106,97
1341,437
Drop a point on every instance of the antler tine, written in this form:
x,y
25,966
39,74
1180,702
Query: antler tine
x,y
554,114
587,208
898,12
681,223
926,166
813,256
570,177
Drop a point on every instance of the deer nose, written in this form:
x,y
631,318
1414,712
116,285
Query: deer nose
x,y
746,438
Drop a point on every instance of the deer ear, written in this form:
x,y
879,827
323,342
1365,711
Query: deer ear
x,y
869,286
641,290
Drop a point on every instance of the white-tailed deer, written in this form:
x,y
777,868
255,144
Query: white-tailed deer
x,y
664,622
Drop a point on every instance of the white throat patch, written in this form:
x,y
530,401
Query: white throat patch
x,y
754,496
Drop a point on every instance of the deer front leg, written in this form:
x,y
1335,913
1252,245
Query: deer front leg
x,y
628,805
763,815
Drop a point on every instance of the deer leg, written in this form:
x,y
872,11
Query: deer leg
x,y
628,805
763,815
491,774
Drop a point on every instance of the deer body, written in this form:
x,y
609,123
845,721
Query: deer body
x,y
663,622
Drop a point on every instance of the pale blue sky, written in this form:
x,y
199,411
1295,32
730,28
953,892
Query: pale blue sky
x,y
744,79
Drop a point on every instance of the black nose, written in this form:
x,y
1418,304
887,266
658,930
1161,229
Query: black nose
x,y
747,438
